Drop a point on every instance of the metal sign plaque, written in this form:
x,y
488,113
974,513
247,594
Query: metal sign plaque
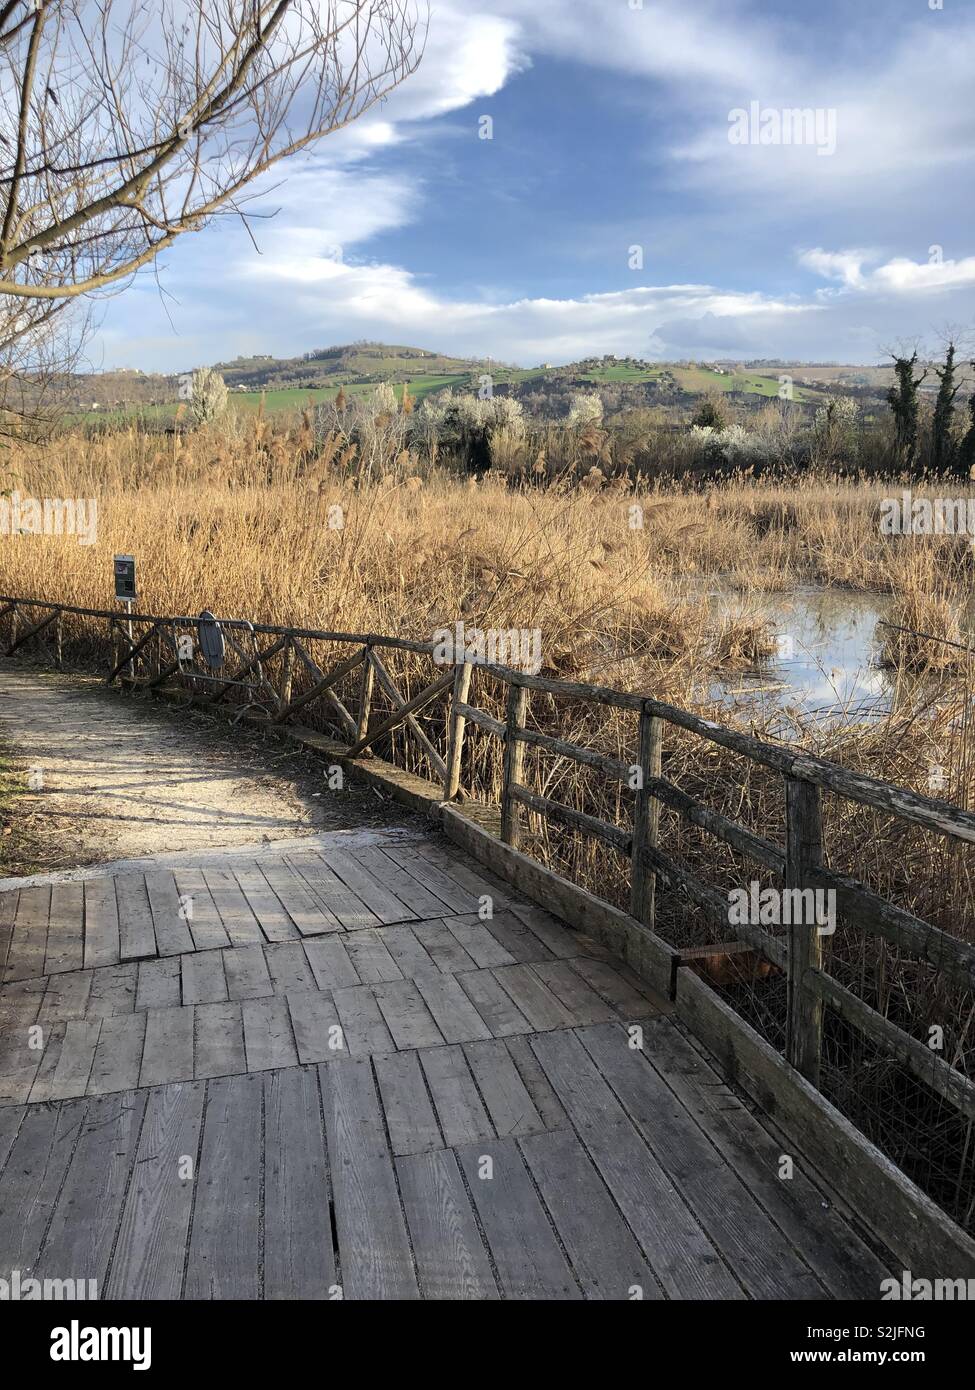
x,y
125,578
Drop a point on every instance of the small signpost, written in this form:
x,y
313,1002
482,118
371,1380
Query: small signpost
x,y
125,585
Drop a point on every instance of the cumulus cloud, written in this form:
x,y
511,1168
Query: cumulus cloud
x,y
899,276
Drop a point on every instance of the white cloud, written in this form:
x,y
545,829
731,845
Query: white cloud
x,y
899,276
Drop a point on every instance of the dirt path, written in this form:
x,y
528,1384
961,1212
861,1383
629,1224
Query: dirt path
x,y
120,778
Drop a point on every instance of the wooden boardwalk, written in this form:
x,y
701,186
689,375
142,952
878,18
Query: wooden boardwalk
x,y
324,1073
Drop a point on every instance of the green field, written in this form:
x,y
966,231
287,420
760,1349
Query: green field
x,y
702,379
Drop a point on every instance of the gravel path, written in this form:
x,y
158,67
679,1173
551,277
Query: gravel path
x,y
119,777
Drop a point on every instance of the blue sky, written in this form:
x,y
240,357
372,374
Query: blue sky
x,y
611,124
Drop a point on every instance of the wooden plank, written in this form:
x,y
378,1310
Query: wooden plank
x,y
920,1235
489,891
137,935
318,1031
450,1254
493,1003
39,1091
102,941
335,897
11,1118
646,819
800,1208
505,1095
275,921
151,1246
82,1232
28,941
521,944
606,1259
752,1245
169,914
443,947
371,877
471,933
246,972
268,1036
159,984
459,1108
288,967
308,914
533,998
206,927
8,911
410,1118
409,954
406,1015
298,1258
238,920
374,1246
537,1084
118,1054
627,998
66,997
682,1256
168,1052
71,1074
362,1021
113,991
203,978
452,1010
514,763
526,1254
65,929
224,1253
563,942
21,1048
803,855
441,885
330,963
219,1040
583,1003
371,959
32,1179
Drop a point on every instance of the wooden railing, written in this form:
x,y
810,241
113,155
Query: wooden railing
x,y
151,659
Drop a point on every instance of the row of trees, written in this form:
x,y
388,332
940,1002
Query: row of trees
x,y
951,450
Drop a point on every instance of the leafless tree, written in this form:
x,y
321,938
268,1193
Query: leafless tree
x,y
125,125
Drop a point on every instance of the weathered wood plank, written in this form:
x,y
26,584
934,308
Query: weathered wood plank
x,y
168,1052
288,967
70,1078
66,997
460,1110
409,954
582,1002
374,1246
298,1258
450,1254
442,885
330,963
533,998
409,1114
219,1040
137,935
361,873
239,922
407,1016
151,1247
527,1256
203,978
65,929
32,1179
443,947
247,973
82,1232
335,896
118,1054
372,960
275,921
113,991
268,1036
493,1003
452,1010
159,984
224,1253
471,933
309,915
203,919
362,1021
28,941
169,914
509,1104
101,923
319,1035
682,1256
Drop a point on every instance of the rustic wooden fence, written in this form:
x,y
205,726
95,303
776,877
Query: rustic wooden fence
x,y
150,657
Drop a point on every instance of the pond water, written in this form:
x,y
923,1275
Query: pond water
x,y
829,645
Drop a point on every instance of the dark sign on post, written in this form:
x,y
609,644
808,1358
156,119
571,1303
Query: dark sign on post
x,y
125,578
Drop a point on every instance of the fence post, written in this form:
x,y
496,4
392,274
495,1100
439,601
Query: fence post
x,y
285,697
646,820
803,851
455,737
514,762
365,693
